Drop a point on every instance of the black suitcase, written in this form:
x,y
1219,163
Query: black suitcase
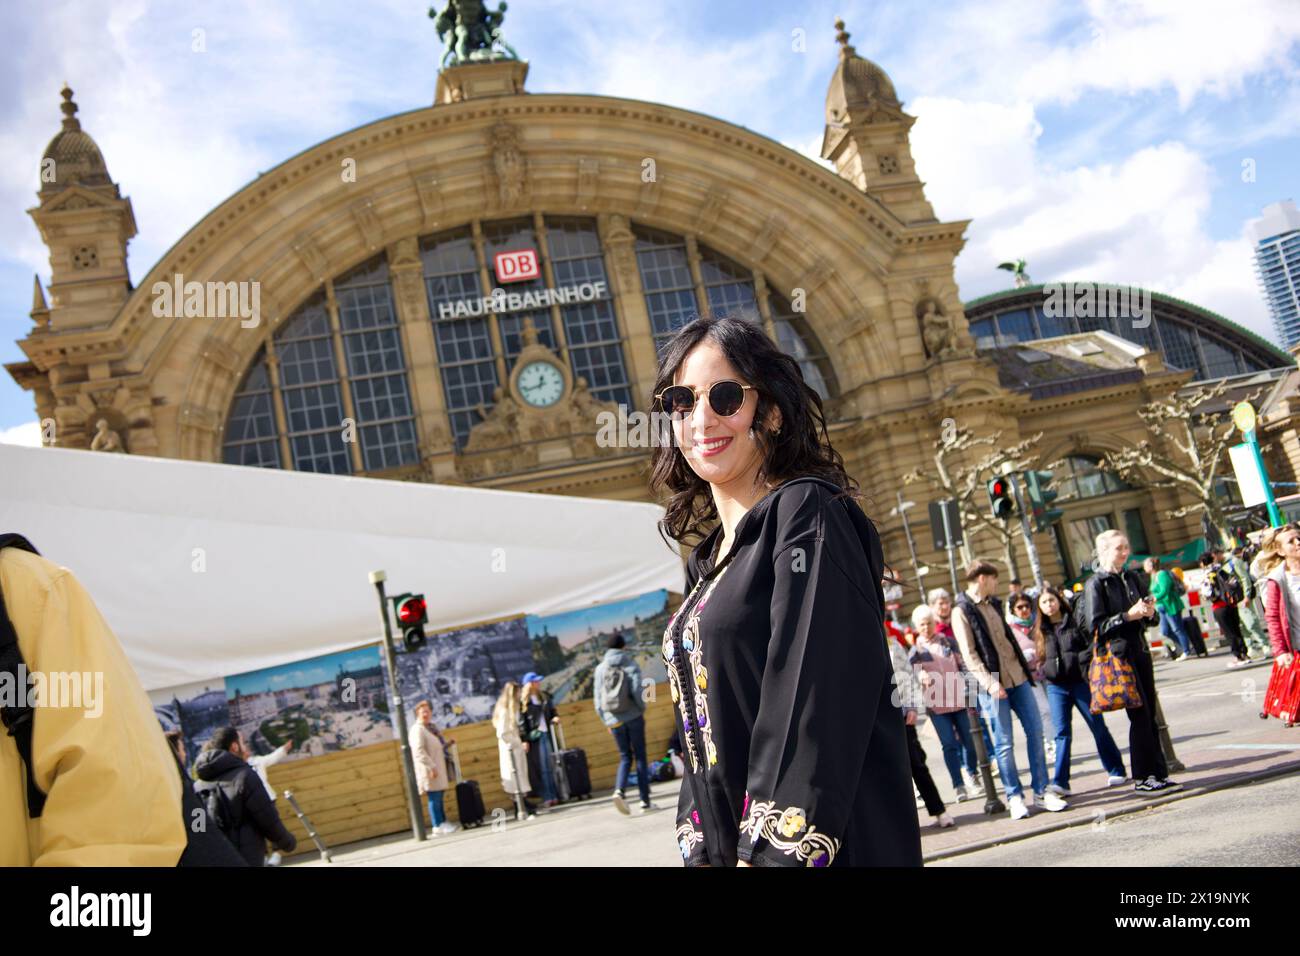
x,y
571,765
469,799
1193,628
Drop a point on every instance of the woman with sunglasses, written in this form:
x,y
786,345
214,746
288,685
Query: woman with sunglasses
x,y
782,684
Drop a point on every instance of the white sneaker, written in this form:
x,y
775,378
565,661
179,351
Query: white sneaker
x,y
1115,780
943,821
1052,802
962,794
1059,790
1018,809
449,827
620,804
647,807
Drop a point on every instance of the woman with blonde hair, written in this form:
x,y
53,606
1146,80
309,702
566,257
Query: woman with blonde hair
x,y
1277,567
512,748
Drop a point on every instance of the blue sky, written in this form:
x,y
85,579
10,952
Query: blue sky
x,y
1098,140
318,670
571,626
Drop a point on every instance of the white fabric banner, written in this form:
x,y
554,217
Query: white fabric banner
x,y
206,570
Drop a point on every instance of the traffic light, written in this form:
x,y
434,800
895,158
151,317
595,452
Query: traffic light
x,y
1000,498
1040,496
412,615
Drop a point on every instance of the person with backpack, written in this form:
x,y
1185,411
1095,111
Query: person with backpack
x,y
1224,591
1249,610
236,798
94,784
1066,654
620,707
1168,593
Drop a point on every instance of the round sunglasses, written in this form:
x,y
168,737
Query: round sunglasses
x,y
725,398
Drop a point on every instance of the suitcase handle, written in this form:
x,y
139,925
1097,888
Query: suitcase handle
x,y
557,737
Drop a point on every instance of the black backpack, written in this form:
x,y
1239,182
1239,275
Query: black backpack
x,y
204,846
1226,586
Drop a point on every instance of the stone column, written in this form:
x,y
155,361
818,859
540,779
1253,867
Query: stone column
x,y
630,311
416,327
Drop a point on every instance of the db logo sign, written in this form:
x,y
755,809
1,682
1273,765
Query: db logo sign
x,y
516,266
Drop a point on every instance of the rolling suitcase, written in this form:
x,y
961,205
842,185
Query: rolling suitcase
x,y
1282,698
572,778
469,800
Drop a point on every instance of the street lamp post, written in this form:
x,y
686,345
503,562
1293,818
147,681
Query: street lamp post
x,y
901,511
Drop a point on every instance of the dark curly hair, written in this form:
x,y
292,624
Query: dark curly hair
x,y
802,448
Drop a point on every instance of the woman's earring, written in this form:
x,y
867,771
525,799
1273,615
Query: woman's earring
x,y
751,432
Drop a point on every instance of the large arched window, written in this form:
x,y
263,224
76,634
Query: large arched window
x,y
1094,501
331,392
328,406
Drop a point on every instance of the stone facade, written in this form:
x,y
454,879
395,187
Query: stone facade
x,y
862,248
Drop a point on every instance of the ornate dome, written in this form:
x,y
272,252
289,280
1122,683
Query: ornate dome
x,y
858,87
76,156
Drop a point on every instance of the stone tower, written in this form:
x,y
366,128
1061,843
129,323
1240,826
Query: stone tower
x,y
867,135
86,223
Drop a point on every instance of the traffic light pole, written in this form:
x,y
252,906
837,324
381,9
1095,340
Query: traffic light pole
x,y
377,578
1028,535
948,537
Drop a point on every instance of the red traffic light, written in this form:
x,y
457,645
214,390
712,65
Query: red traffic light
x,y
997,488
412,611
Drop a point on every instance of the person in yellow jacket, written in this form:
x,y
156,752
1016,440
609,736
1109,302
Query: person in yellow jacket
x,y
113,793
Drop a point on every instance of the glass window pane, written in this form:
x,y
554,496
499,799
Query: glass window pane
x,y
1180,348
1050,326
1136,531
1016,326
984,333
1220,360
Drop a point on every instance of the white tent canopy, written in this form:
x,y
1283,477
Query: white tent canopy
x,y
207,570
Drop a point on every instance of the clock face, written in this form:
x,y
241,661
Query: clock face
x,y
540,384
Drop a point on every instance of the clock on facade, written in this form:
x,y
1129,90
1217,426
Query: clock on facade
x,y
540,384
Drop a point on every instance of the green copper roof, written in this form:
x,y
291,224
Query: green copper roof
x,y
1228,324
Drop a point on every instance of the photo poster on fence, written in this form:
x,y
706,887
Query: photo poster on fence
x,y
462,670
568,646
196,710
323,704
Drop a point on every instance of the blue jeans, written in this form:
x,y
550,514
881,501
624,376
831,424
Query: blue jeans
x,y
1063,701
436,813
543,746
1171,625
630,737
1020,700
954,734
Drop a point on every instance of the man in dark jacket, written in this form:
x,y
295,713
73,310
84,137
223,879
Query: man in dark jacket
x,y
245,813
1116,608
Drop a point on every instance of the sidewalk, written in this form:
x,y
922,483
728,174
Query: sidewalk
x,y
1217,734
1216,727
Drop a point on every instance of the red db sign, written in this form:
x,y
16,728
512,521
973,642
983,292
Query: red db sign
x,y
516,266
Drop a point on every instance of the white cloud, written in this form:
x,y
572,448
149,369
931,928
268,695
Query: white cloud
x,y
28,434
1139,220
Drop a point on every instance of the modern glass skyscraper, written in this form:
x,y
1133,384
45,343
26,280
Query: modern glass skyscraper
x,y
1277,263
